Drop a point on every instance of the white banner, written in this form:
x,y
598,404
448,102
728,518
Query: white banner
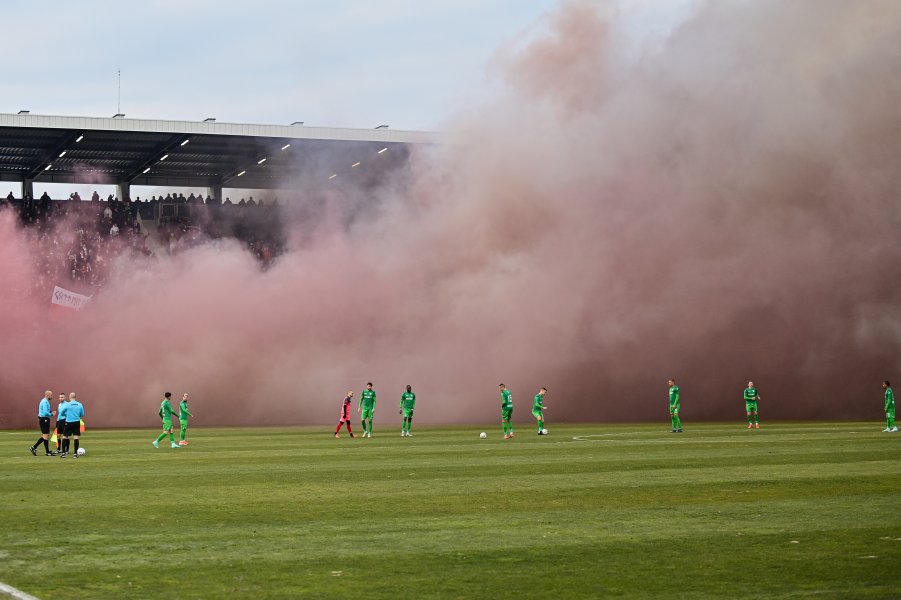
x,y
67,298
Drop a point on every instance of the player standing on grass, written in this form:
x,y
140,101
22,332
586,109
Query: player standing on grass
x,y
751,398
44,414
74,415
538,408
61,421
407,402
183,415
367,408
345,415
674,406
889,408
166,415
506,411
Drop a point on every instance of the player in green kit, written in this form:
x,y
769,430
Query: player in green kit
x,y
367,409
166,415
674,406
889,408
183,415
751,398
538,410
506,411
407,402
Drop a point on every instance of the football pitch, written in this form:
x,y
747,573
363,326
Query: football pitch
x,y
590,511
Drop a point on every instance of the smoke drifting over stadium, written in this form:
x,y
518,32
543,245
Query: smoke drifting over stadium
x,y
721,207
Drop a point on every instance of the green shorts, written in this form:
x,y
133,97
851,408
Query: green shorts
x,y
506,414
750,405
167,424
408,413
367,413
538,414
674,408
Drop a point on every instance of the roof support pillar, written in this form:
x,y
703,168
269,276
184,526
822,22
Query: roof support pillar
x,y
28,188
123,190
215,192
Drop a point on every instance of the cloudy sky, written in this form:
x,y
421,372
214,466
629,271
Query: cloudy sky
x,y
349,63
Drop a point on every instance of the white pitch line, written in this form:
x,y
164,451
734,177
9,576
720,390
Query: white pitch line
x,y
14,593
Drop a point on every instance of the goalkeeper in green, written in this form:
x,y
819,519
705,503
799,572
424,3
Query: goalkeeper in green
x,y
183,414
674,406
889,408
751,398
538,410
367,408
506,411
166,415
407,402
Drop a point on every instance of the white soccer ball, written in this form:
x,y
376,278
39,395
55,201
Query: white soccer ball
x,y
483,435
80,452
544,432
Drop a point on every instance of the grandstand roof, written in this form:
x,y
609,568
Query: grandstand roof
x,y
86,150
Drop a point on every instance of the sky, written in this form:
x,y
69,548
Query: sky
x,y
351,63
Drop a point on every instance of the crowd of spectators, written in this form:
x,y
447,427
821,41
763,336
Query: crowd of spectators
x,y
75,241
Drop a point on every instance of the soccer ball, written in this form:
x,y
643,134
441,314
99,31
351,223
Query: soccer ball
x,y
544,432
483,435
80,452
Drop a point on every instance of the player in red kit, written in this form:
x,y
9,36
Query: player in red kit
x,y
345,415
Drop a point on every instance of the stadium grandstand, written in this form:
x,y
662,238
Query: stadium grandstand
x,y
79,235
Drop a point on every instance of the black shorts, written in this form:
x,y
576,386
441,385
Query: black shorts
x,y
44,422
73,428
61,427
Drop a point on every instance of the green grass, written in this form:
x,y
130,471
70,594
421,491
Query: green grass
x,y
789,511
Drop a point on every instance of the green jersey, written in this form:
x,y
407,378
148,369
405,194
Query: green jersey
x,y
889,398
367,399
751,395
166,410
674,395
183,412
506,399
537,405
408,400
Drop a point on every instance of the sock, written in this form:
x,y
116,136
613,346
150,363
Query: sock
x,y
38,443
348,428
184,430
338,428
370,426
504,425
678,422
540,425
409,424
171,438
750,418
66,445
46,446
160,439
76,445
59,442
756,418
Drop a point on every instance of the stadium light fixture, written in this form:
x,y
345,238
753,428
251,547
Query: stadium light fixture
x,y
383,150
286,146
210,120
297,123
241,173
61,154
147,170
119,116
47,168
382,127
261,161
24,112
81,137
333,175
184,142
165,156
356,164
